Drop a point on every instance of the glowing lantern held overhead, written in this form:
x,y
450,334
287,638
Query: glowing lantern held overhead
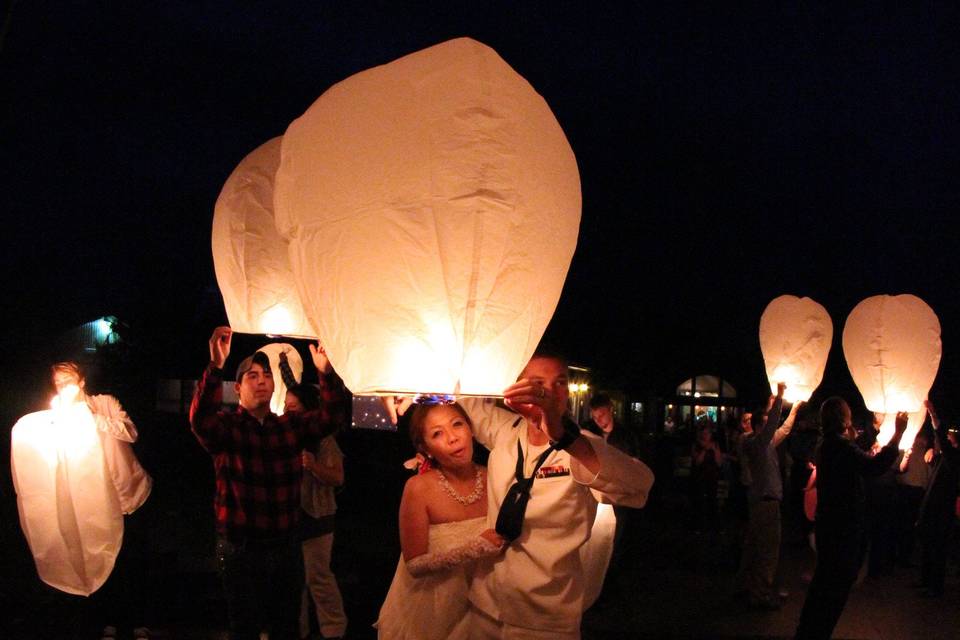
x,y
273,351
795,338
250,257
432,207
892,347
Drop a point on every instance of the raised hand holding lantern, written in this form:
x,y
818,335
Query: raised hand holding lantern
x,y
795,338
432,207
892,347
249,255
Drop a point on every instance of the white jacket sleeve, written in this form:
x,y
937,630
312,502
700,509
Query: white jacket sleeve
x,y
622,480
489,420
111,419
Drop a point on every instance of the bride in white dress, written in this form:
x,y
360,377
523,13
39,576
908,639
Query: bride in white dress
x,y
443,532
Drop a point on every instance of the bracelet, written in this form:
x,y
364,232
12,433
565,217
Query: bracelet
x,y
571,431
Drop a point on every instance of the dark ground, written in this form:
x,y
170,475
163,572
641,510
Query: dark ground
x,y
675,583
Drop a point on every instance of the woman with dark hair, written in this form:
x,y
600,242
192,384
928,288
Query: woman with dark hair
x,y
443,531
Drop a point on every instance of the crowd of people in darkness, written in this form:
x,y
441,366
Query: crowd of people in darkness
x,y
494,551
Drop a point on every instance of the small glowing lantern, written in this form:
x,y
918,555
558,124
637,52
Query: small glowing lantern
x,y
250,257
69,509
795,338
892,347
273,351
432,207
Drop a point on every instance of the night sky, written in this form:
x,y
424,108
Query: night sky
x,y
726,157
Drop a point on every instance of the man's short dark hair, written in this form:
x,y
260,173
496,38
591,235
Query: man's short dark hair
x,y
551,353
832,415
599,400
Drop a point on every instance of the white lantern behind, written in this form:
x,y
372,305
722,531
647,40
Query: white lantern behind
x,y
795,338
69,509
892,347
432,207
250,257
273,351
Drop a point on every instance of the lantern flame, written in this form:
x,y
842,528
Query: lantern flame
x,y
277,321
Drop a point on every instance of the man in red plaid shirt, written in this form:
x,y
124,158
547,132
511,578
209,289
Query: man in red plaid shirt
x,y
258,466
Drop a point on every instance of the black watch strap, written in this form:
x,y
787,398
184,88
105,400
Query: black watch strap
x,y
571,431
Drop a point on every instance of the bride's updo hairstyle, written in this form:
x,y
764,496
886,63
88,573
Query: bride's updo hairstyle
x,y
418,422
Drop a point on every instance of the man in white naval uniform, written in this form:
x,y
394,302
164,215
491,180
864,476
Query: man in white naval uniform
x,y
535,588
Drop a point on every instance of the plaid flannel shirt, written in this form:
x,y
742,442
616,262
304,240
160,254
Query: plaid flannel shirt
x,y
257,466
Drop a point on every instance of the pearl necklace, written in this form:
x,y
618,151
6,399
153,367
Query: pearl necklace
x,y
467,499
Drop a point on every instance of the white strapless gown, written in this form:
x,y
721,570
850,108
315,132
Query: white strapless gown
x,y
435,606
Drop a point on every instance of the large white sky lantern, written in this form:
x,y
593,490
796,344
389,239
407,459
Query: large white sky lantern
x,y
69,508
432,207
795,338
892,346
249,255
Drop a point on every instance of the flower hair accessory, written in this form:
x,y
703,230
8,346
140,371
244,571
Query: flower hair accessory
x,y
418,463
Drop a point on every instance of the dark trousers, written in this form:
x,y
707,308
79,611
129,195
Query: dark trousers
x,y
262,582
125,599
936,533
882,505
909,499
839,556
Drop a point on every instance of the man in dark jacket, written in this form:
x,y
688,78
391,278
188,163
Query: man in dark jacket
x,y
841,516
938,510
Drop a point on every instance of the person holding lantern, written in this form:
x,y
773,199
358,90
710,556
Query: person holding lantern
x,y
761,545
535,589
938,510
841,523
258,465
124,597
443,531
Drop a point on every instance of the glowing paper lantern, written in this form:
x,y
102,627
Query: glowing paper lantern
x,y
250,257
892,346
70,510
795,338
432,207
273,351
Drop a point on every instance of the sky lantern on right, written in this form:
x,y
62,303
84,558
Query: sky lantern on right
x,y
795,338
892,347
432,207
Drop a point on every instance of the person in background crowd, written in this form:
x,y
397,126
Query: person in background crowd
x,y
603,423
912,479
881,496
938,511
706,459
761,552
257,459
323,472
841,527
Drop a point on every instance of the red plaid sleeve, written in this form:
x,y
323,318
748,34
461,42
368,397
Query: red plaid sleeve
x,y
205,421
